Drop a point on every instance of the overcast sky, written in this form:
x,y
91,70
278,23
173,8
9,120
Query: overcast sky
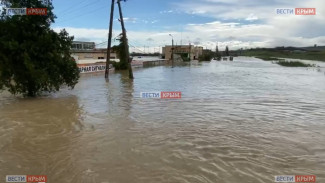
x,y
237,23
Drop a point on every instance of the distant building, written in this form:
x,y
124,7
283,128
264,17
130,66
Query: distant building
x,y
191,51
87,51
79,45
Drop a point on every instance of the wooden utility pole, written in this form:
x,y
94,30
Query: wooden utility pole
x,y
125,40
172,57
108,54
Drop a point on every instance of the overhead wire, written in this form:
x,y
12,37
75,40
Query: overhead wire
x,y
72,7
82,12
86,6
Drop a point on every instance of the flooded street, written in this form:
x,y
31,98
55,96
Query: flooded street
x,y
243,121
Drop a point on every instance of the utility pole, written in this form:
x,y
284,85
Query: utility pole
x,y
172,50
189,54
108,54
125,40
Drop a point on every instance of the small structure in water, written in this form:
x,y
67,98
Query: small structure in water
x,y
228,58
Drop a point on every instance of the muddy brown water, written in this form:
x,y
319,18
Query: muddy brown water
x,y
244,121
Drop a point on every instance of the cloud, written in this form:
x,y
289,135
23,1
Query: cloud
x,y
251,17
260,26
270,30
166,11
150,39
128,19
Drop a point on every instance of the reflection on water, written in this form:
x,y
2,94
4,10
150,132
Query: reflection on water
x,y
241,121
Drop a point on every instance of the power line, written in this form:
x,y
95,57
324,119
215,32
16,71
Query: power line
x,y
73,6
81,9
86,6
81,15
106,41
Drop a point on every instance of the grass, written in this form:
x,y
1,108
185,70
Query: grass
x,y
294,64
285,63
271,54
267,58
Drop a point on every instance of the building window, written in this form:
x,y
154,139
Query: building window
x,y
88,46
76,46
83,45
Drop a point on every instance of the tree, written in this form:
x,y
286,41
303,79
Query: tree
x,y
34,58
217,55
121,52
227,51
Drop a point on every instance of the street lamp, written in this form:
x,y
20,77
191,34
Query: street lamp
x,y
172,49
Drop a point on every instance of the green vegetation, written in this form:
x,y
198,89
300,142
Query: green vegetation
x,y
276,54
283,62
206,57
34,58
184,57
268,58
268,53
294,64
120,50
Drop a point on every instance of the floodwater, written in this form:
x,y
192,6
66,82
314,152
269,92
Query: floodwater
x,y
237,122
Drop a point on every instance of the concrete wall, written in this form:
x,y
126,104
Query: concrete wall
x,y
92,55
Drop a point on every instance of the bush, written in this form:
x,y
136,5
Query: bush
x,y
119,65
205,57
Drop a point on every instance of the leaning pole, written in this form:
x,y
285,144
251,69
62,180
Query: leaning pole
x,y
125,40
109,42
